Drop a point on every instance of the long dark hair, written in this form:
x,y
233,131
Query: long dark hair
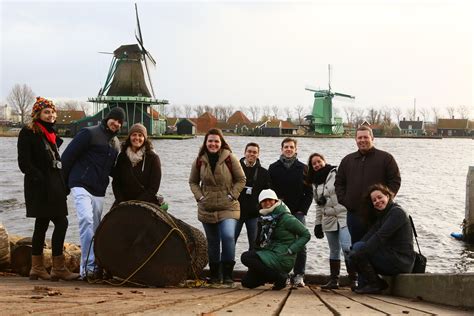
x,y
310,174
214,131
127,143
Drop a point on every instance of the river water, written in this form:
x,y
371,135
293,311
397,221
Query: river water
x,y
433,190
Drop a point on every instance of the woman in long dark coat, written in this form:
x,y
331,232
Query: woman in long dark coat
x,y
137,173
45,190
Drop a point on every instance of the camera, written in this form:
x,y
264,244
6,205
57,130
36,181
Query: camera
x,y
57,164
321,201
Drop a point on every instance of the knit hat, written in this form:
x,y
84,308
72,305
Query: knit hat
x,y
116,113
40,104
267,194
137,128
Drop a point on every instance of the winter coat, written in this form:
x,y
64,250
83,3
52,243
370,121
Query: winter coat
x,y
289,234
289,185
392,231
249,202
141,182
89,158
212,190
332,215
45,190
357,172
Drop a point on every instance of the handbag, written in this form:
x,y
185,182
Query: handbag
x,y
420,260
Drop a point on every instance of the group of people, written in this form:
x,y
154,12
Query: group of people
x,y
354,202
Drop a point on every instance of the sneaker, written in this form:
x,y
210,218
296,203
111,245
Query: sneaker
x,y
298,280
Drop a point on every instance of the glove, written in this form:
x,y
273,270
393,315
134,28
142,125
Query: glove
x,y
318,231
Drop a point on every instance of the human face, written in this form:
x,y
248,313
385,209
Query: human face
x,y
213,143
289,149
114,125
48,115
379,200
251,154
137,139
267,203
364,141
317,163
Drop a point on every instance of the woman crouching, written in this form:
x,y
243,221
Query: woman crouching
x,y
387,248
281,236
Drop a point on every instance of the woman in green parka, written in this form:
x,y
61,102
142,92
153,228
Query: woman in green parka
x,y
281,237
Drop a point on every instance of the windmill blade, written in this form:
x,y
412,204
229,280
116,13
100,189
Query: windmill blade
x,y
149,78
150,57
337,94
310,89
139,37
106,53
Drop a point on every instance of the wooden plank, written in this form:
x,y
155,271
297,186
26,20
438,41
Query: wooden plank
x,y
340,304
302,301
267,302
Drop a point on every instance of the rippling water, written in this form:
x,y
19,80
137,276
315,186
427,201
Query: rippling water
x,y
433,190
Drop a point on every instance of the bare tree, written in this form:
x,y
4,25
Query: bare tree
x,y
275,111
175,109
288,113
266,111
229,110
386,113
373,116
358,116
435,111
350,112
188,110
425,113
451,110
254,111
209,109
299,113
463,111
199,110
22,98
411,113
398,112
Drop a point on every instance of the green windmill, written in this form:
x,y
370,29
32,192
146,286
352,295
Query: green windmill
x,y
321,119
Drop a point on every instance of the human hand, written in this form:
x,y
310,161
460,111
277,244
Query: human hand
x,y
318,231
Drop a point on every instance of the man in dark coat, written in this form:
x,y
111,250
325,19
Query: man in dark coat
x,y
87,164
357,172
287,177
258,179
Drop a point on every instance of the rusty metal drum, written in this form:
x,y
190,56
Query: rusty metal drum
x,y
140,240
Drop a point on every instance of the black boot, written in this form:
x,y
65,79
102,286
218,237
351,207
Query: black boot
x,y
351,272
375,284
215,275
280,281
227,269
335,267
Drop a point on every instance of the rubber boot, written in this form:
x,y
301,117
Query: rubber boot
x,y
215,276
375,284
335,268
60,271
351,272
227,269
37,269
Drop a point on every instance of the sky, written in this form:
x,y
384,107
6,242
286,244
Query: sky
x,y
241,53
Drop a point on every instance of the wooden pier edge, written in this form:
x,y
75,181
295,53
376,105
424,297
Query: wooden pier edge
x,y
468,224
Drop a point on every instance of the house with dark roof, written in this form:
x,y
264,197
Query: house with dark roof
x,y
238,118
455,127
65,121
185,126
412,128
277,127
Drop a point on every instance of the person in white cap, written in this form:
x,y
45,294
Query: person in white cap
x,y
281,236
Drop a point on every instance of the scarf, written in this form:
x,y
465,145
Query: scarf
x,y
267,222
213,158
288,162
135,157
321,175
48,131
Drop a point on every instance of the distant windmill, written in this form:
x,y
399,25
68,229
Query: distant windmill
x,y
321,118
126,86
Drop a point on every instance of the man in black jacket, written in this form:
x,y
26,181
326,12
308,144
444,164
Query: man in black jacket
x,y
258,179
287,177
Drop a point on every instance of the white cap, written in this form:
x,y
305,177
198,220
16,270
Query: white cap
x,y
267,194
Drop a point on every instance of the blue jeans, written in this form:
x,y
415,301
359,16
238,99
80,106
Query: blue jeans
x,y
89,214
357,228
251,226
337,240
222,232
382,260
300,263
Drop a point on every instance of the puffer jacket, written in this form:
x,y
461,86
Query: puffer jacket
x,y
332,213
289,234
212,190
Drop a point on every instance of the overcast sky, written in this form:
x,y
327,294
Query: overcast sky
x,y
386,53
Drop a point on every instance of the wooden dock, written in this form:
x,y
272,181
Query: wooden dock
x,y
21,296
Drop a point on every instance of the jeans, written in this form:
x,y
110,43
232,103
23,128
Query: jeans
x,y
382,260
357,228
337,240
57,239
222,232
251,226
300,263
89,214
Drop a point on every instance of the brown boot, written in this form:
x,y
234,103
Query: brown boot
x,y
60,271
37,269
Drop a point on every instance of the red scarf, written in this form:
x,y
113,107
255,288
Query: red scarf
x,y
50,136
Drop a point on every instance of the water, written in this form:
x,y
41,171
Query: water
x,y
433,191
